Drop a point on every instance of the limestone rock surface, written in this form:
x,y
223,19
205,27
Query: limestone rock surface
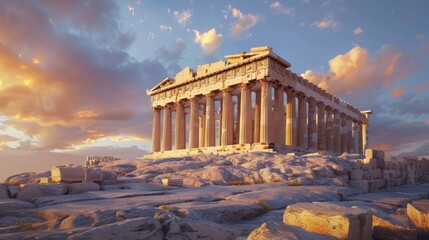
x,y
30,190
4,191
136,228
279,231
418,213
197,229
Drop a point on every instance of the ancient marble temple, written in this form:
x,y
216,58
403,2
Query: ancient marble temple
x,y
250,102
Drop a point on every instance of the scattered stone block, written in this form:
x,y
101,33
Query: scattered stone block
x,y
360,184
13,204
31,190
384,227
370,153
177,182
46,180
74,188
136,228
418,213
371,162
67,174
330,219
269,231
356,175
4,191
110,187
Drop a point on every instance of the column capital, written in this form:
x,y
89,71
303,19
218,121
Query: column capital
x,y
301,96
311,100
320,104
194,98
227,90
211,94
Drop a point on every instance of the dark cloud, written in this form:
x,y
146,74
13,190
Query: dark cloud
x,y
172,54
411,105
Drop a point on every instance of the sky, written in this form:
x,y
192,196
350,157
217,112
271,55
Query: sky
x,y
74,74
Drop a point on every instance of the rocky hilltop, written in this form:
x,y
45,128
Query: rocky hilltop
x,y
256,195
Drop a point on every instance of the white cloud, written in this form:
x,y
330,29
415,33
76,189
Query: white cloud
x,y
165,28
151,36
358,30
327,22
209,41
244,21
131,10
278,7
183,17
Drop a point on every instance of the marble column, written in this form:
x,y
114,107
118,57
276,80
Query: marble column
x,y
180,124
321,126
364,137
329,130
349,135
360,140
210,121
220,118
279,116
302,121
193,123
355,137
156,130
343,133
237,122
266,118
202,129
166,129
257,122
291,123
227,113
337,132
245,115
312,124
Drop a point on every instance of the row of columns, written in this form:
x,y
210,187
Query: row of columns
x,y
269,121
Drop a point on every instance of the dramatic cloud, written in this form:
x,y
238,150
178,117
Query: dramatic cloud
x,y
278,7
357,31
183,17
358,70
209,41
327,22
244,21
67,79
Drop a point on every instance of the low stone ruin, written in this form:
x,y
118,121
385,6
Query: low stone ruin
x,y
374,172
95,160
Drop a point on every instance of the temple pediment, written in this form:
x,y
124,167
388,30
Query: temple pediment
x,y
164,83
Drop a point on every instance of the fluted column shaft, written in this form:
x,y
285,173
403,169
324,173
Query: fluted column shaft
x,y
180,141
265,112
329,130
237,122
349,135
337,132
291,124
193,123
364,137
355,137
202,129
227,127
156,130
360,140
321,126
343,133
210,121
245,115
312,124
279,116
257,123
166,129
302,121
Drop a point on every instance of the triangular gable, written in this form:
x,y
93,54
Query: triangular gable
x,y
166,82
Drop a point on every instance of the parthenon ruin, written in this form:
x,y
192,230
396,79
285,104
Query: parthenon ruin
x,y
251,101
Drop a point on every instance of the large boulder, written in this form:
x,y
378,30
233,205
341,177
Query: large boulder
x,y
279,231
197,229
136,228
418,213
330,219
4,191
20,178
30,190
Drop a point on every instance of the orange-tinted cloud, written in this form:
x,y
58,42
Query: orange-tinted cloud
x,y
358,70
397,92
63,87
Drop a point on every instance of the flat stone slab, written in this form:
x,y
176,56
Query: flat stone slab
x,y
418,213
278,231
11,204
391,198
330,219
